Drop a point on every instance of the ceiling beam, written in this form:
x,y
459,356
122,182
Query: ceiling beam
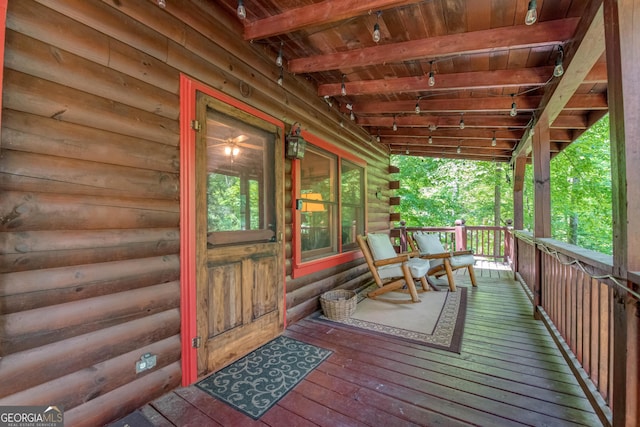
x,y
426,120
580,59
322,13
478,105
503,38
456,81
456,105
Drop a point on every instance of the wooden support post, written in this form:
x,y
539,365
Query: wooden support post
x,y
518,189
542,199
622,41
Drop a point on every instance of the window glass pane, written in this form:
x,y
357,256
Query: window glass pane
x,y
352,213
240,194
318,233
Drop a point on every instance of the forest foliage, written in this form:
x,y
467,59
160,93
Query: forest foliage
x,y
436,192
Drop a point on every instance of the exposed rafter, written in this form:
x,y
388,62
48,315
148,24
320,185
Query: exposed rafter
x,y
516,37
323,13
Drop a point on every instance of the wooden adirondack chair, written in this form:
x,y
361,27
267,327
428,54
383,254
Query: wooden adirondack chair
x,y
392,271
429,247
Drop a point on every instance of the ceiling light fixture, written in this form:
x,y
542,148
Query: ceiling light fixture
x,y
279,57
242,12
514,108
559,69
461,120
376,28
493,141
532,13
343,87
432,79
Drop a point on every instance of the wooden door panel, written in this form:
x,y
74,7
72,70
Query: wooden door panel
x,y
264,294
225,297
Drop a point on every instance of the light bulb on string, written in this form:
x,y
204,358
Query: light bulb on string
x,y
494,141
432,79
462,121
343,87
514,108
162,4
376,29
418,106
281,77
352,116
430,140
459,150
241,11
395,125
279,57
532,13
558,70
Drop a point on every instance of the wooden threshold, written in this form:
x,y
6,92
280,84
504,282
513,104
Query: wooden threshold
x,y
509,373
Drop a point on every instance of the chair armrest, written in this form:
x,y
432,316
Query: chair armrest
x,y
446,254
394,260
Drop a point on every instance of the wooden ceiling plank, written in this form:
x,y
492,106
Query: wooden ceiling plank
x,y
519,36
325,12
457,81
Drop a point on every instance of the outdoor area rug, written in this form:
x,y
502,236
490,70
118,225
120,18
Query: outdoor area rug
x,y
436,321
259,380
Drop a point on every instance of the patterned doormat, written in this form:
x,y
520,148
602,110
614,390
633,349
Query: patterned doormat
x,y
259,380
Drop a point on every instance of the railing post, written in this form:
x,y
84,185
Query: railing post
x,y
461,235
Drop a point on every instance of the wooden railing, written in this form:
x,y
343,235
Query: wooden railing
x,y
592,314
487,242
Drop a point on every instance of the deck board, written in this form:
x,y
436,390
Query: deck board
x,y
509,373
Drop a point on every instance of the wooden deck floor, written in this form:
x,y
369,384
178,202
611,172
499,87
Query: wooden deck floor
x,y
509,373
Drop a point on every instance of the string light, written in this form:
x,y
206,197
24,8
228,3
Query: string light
x,y
559,69
493,141
532,13
352,117
279,57
343,87
242,12
430,140
378,136
407,150
395,125
514,108
376,29
432,79
327,99
281,77
461,120
418,106
459,150
162,3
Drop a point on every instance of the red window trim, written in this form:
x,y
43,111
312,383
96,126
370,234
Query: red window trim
x,y
301,268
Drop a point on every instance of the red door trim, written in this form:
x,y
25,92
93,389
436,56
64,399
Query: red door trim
x,y
188,306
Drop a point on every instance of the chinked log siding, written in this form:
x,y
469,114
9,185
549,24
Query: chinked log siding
x,y
89,209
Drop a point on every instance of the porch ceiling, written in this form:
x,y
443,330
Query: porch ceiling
x,y
483,56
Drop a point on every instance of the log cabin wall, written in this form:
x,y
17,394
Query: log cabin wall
x,y
89,214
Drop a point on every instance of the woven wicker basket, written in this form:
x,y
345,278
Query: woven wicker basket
x,y
338,304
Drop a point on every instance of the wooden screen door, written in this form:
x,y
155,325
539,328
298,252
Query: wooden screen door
x,y
239,208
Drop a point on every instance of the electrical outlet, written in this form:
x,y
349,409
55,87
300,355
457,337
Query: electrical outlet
x,y
147,361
